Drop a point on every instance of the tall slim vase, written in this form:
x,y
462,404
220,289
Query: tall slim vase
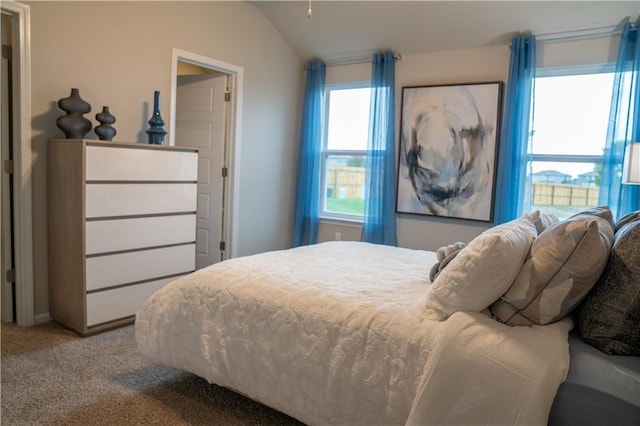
x,y
156,131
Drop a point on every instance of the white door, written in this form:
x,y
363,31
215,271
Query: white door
x,y
200,123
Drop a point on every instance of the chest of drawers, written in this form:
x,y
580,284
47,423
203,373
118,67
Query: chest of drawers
x,y
121,225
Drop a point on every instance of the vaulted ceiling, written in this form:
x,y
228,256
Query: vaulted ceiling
x,y
345,29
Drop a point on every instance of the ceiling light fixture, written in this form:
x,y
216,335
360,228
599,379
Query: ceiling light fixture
x,y
309,11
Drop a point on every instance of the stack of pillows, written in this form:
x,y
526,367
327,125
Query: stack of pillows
x,y
537,270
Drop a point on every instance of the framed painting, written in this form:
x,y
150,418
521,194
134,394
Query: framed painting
x,y
448,147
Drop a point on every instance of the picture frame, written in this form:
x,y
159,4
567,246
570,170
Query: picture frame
x,y
448,150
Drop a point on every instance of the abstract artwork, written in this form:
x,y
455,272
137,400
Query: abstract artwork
x,y
448,144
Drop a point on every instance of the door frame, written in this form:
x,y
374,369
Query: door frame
x,y
230,233
22,159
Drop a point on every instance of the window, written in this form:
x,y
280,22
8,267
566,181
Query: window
x,y
344,150
570,119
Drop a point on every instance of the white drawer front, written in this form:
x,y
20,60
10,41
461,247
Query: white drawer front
x,y
121,302
104,236
123,268
123,199
118,163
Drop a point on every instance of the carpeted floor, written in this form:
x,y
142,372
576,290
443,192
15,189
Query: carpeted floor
x,y
50,376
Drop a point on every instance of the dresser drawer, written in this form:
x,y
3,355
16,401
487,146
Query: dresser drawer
x,y
124,268
140,164
103,236
120,302
125,199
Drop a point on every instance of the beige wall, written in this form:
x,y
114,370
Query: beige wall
x,y
118,53
459,66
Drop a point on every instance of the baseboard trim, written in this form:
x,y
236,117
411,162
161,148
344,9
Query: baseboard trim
x,y
42,318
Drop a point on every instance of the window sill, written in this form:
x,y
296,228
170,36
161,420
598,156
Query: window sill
x,y
342,221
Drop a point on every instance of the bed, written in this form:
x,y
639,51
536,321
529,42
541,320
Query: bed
x,y
357,333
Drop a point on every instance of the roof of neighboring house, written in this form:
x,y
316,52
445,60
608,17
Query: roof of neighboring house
x,y
551,173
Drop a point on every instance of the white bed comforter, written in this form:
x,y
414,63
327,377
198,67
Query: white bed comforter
x,y
336,334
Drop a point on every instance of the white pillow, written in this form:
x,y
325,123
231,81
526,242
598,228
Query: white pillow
x,y
483,271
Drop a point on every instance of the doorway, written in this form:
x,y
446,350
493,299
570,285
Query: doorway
x,y
6,177
205,115
16,248
201,123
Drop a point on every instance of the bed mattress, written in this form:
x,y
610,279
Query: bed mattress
x,y
338,333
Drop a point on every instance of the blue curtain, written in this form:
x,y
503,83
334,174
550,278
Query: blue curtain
x,y
512,154
309,156
380,182
624,125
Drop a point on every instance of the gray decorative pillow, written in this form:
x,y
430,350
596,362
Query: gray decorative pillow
x,y
564,263
542,220
445,255
628,218
609,318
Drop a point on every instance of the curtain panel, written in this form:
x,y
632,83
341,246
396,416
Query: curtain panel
x,y
624,125
512,153
379,224
307,209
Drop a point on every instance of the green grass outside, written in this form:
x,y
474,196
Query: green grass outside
x,y
356,206
345,205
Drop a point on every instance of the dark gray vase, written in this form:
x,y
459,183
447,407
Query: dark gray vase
x,y
105,131
156,131
73,124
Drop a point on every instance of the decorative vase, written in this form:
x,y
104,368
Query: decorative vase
x,y
104,131
156,132
73,124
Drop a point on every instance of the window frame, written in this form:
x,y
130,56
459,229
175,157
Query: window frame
x,y
327,153
559,71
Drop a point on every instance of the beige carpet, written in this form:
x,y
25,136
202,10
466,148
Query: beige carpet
x,y
50,376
